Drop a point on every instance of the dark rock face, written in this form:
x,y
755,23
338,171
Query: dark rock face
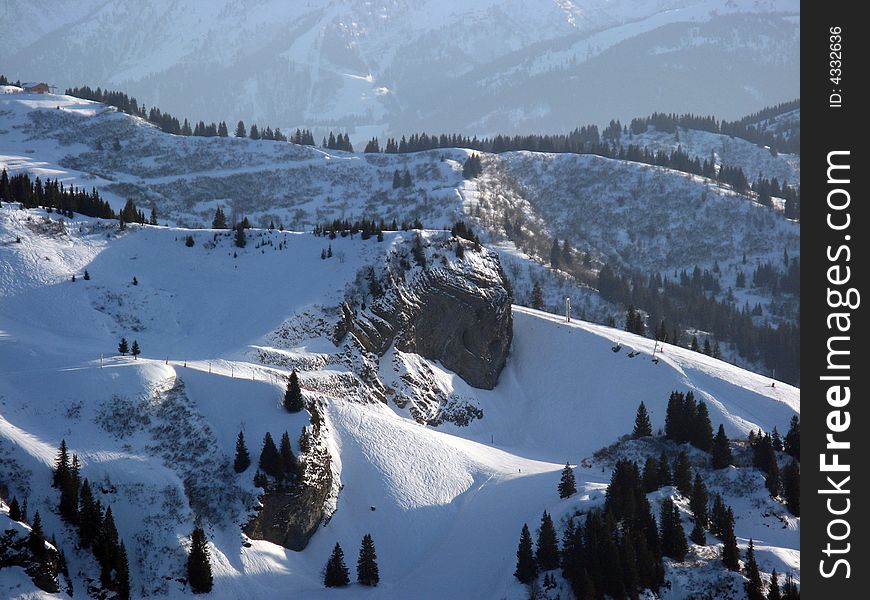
x,y
290,518
447,311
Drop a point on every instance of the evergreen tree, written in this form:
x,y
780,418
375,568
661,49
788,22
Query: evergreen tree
x,y
702,432
36,538
367,564
792,445
674,429
69,492
754,587
790,589
243,459
650,477
527,568
567,484
135,350
89,516
293,400
255,132
336,573
122,346
698,501
61,466
773,592
674,543
683,474
198,564
14,510
721,449
240,239
537,294
791,487
220,219
694,345
642,425
776,440
547,550
665,476
270,460
730,552
122,574
188,241
289,467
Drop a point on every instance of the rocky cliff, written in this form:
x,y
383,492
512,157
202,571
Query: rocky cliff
x,y
442,297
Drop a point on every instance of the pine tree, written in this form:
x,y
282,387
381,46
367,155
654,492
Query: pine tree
x,y
730,552
243,459
135,350
698,502
527,568
642,425
336,573
791,487
650,477
69,492
674,543
61,466
721,449
547,550
683,474
702,431
198,565
293,400
567,485
367,564
89,516
270,460
773,592
122,346
122,574
790,589
754,587
36,538
220,219
537,294
289,466
240,239
665,475
14,510
792,444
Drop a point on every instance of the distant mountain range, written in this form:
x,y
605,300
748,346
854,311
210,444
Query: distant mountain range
x,y
378,67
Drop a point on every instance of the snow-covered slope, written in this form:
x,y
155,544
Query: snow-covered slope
x,y
444,504
387,65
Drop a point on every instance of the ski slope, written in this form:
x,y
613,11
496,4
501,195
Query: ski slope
x,y
444,505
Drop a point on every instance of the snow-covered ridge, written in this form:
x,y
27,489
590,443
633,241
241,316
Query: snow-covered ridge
x,y
201,314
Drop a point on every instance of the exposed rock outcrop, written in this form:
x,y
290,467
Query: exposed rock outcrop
x,y
290,516
428,301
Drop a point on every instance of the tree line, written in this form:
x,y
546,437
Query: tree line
x,y
53,195
672,303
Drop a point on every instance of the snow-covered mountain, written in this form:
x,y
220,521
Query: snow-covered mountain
x,y
395,66
221,326
615,211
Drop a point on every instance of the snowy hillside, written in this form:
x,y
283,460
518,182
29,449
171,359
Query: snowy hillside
x,y
378,67
220,327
